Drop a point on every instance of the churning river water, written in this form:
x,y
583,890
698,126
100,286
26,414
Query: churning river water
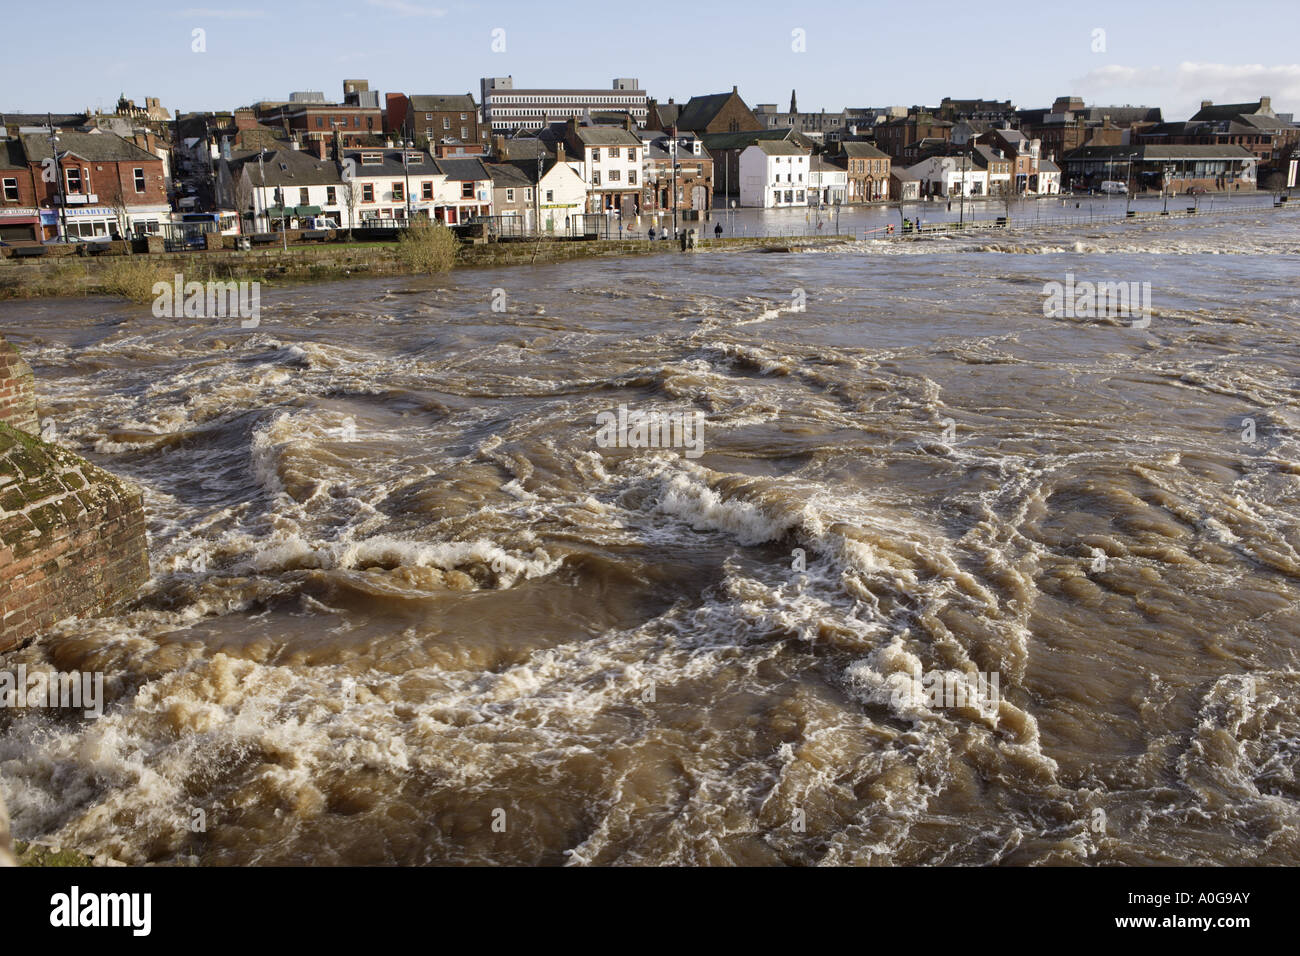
x,y
405,608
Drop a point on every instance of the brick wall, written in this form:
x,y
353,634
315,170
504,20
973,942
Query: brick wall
x,y
17,389
72,537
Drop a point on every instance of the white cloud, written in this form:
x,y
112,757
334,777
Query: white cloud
x,y
402,8
1180,90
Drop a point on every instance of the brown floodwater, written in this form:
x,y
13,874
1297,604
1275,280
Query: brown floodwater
x,y
407,607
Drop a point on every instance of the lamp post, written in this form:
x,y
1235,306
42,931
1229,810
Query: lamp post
x,y
673,147
406,171
58,173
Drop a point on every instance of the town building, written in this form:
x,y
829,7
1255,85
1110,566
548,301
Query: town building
x,y
610,163
1048,182
694,180
1253,126
308,116
998,166
545,190
718,113
904,185
995,112
1176,168
1069,124
828,181
277,188
1022,151
435,119
868,171
819,127
951,176
506,109
903,138
725,148
774,173
105,186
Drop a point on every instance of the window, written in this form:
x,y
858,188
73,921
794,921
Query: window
x,y
462,117
550,195
428,131
595,177
595,155
446,122
613,175
467,189
74,179
631,177
367,192
613,152
139,179
11,189
428,117
528,194
372,159
320,122
464,132
426,189
631,155
303,197
331,197
399,192
510,195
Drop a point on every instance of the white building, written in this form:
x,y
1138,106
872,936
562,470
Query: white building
x,y
828,183
506,108
1049,178
611,165
951,176
774,173
280,187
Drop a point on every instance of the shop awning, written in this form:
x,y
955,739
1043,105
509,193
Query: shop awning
x,y
304,211
279,212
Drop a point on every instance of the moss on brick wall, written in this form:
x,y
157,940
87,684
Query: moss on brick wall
x,y
72,537
17,389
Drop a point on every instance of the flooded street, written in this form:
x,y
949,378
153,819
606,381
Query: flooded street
x,y
407,609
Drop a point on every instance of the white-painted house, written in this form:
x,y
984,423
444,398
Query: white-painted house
x,y
282,187
951,176
773,174
828,182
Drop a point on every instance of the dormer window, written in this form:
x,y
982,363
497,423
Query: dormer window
x,y
372,159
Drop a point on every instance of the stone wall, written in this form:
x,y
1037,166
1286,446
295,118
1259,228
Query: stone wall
x,y
17,389
72,536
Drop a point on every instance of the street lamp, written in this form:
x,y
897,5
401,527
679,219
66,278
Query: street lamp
x,y
406,170
58,173
673,149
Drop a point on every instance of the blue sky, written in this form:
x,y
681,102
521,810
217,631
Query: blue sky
x,y
1164,54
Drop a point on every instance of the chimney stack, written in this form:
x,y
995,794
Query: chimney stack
x,y
1205,104
1266,104
559,152
499,147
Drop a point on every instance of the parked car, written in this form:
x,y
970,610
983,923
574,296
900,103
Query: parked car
x,y
1113,186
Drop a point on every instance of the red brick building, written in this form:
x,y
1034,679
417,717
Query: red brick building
x,y
440,119
99,186
715,113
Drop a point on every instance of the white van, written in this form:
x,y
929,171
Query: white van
x,y
1114,186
